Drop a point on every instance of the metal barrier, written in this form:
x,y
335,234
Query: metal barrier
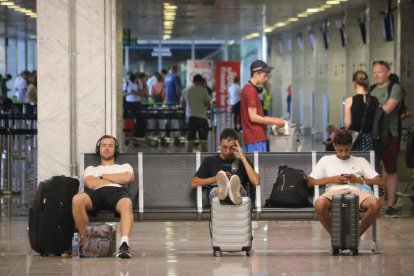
x,y
164,125
14,127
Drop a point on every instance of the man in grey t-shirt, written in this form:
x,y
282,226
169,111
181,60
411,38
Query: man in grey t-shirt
x,y
390,104
196,101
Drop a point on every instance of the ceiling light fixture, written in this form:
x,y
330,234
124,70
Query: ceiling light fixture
x,y
312,10
7,3
333,2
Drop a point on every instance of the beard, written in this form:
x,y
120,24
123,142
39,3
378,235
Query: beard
x,y
107,158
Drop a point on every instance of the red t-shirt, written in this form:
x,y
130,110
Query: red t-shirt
x,y
252,132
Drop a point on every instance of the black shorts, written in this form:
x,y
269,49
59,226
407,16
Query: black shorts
x,y
195,125
106,198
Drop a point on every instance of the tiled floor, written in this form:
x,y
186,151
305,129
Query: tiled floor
x,y
184,248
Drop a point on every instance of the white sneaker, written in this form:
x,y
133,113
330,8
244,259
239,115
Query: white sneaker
x,y
221,179
234,192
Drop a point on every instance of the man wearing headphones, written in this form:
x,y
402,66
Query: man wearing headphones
x,y
106,188
252,115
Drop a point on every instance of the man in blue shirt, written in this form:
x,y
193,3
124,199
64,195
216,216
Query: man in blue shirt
x,y
172,86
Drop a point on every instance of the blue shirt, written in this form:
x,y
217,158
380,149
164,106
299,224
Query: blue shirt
x,y
172,85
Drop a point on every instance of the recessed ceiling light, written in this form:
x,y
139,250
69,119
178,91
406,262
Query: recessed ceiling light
x,y
312,10
333,2
7,3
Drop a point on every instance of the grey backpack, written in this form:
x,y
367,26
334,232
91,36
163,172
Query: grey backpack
x,y
99,241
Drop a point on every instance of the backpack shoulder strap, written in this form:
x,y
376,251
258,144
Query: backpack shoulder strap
x,y
372,87
390,85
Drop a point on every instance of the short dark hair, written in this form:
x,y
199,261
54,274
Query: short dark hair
x,y
198,78
381,62
343,138
228,134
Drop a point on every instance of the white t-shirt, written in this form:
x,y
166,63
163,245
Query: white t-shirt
x,y
331,165
234,93
129,87
101,170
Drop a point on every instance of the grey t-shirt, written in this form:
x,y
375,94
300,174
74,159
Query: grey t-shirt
x,y
196,98
382,95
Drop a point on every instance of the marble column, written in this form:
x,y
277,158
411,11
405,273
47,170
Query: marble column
x,y
79,80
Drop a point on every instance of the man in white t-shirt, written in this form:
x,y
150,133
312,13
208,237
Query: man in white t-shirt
x,y
106,188
234,101
340,173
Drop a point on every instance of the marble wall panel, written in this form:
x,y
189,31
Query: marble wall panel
x,y
53,149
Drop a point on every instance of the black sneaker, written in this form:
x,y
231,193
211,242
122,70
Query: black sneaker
x,y
124,252
391,212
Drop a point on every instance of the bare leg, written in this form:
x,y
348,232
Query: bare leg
x,y
373,208
80,204
190,146
203,146
391,184
322,207
124,208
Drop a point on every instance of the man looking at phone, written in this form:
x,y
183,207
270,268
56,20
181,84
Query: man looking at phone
x,y
341,173
228,173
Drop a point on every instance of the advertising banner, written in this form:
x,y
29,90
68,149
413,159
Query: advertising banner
x,y
225,73
202,67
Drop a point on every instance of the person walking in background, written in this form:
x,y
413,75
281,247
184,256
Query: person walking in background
x,y
390,104
267,99
196,101
252,114
172,86
158,90
289,100
331,130
359,116
234,101
142,87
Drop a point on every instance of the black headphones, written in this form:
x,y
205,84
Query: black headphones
x,y
98,145
258,88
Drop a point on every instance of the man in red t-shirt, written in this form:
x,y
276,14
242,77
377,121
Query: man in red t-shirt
x,y
252,115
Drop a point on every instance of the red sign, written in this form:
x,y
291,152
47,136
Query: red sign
x,y
225,73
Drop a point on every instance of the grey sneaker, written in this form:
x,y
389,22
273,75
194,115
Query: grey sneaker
x,y
221,179
234,192
124,252
392,212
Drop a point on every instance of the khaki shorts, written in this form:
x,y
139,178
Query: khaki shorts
x,y
361,194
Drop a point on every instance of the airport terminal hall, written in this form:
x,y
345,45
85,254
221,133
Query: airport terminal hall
x,y
206,137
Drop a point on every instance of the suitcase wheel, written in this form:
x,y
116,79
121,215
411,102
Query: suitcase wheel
x,y
217,253
249,253
353,252
335,251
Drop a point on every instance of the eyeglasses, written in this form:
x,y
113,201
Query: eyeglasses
x,y
227,147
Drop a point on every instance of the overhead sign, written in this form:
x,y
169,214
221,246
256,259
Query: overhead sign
x,y
161,51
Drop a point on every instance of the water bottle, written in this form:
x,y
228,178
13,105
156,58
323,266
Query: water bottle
x,y
366,188
75,245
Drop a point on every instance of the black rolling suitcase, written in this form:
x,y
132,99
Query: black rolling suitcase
x,y
51,224
345,222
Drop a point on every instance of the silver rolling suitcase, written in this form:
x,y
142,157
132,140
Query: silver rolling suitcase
x,y
345,223
231,227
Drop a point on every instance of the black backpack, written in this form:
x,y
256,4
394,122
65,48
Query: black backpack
x,y
290,189
380,132
402,107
